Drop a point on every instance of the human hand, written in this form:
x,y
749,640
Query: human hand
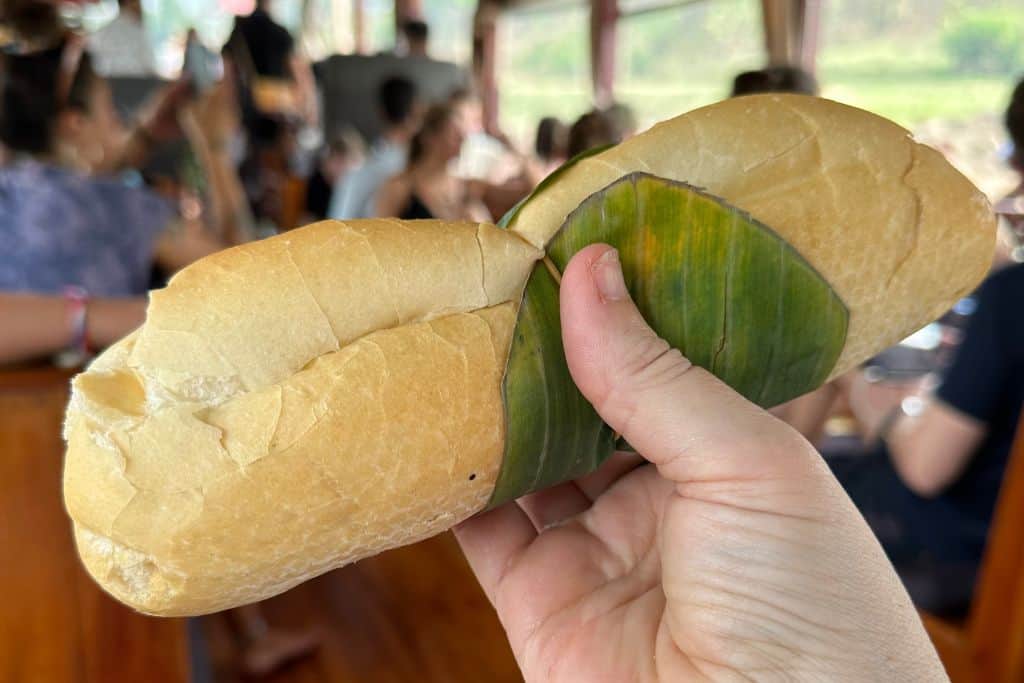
x,y
213,119
873,402
733,555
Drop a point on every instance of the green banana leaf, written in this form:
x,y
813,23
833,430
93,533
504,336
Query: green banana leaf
x,y
726,290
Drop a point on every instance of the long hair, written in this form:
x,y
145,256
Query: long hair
x,y
434,121
32,97
552,139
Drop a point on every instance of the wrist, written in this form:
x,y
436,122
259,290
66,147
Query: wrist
x,y
76,312
77,347
111,319
885,427
910,406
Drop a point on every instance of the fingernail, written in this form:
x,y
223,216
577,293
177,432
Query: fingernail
x,y
607,274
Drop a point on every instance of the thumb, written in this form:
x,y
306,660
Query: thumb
x,y
678,416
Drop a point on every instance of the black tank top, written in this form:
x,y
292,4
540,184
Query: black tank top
x,y
415,208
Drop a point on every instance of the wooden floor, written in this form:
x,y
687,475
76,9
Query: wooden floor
x,y
412,614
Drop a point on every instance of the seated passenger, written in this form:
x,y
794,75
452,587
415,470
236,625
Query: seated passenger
x,y
791,79
337,158
427,188
355,193
79,243
551,144
929,487
623,120
929,484
414,37
593,130
490,157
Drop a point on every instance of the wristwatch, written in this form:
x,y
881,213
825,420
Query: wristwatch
x,y
911,406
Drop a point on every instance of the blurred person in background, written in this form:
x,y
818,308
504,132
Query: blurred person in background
x,y
483,156
551,143
490,157
335,160
276,95
122,47
414,39
592,130
929,482
80,243
934,462
355,193
275,80
1011,208
427,188
790,79
623,121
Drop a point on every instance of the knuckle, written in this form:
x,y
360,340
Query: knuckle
x,y
647,366
649,363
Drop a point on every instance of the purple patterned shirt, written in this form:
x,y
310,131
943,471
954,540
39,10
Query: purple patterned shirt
x,y
59,228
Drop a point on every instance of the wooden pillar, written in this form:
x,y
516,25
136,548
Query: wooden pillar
x,y
359,26
485,67
811,30
407,9
791,32
604,15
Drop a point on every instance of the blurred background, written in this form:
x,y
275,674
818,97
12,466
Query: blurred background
x,y
138,136
944,68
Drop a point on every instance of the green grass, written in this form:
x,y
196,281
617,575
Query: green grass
x,y
909,101
909,86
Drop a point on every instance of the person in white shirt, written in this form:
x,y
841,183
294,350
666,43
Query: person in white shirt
x,y
355,194
122,47
483,156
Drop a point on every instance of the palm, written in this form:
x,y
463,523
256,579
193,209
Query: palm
x,y
734,556
748,560
584,601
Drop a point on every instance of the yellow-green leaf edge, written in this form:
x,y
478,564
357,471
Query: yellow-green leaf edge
x,y
725,289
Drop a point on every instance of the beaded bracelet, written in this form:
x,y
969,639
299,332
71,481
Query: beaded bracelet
x,y
77,312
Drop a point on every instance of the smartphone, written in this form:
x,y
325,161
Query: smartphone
x,y
203,67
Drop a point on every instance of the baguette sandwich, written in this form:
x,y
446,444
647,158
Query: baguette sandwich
x,y
298,403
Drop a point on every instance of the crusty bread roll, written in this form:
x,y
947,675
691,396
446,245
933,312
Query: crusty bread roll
x,y
292,405
883,218
295,404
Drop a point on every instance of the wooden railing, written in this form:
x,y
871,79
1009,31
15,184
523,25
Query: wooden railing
x,y
56,625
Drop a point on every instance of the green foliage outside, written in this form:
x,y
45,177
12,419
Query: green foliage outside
x,y
985,41
909,60
905,59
